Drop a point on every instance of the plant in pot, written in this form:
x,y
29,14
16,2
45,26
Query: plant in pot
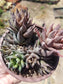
x,y
30,52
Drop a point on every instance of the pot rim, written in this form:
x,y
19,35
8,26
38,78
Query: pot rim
x,y
19,77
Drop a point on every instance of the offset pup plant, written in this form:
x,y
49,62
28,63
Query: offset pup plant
x,y
30,52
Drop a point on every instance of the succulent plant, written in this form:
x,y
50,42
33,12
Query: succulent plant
x,y
51,39
15,60
21,27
